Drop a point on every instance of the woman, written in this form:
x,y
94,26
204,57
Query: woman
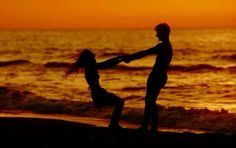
x,y
100,96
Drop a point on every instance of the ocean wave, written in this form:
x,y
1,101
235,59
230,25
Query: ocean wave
x,y
110,54
14,62
186,51
223,50
220,121
132,68
133,98
172,117
14,99
133,88
57,64
198,67
182,68
232,69
225,57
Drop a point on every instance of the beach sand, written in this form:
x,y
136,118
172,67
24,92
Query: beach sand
x,y
31,130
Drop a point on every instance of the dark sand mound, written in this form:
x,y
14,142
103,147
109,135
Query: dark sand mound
x,y
37,132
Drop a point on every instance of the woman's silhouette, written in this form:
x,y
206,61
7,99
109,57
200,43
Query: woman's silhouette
x,y
100,96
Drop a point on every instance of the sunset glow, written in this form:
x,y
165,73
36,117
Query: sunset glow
x,y
116,14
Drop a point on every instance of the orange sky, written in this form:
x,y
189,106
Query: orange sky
x,y
116,13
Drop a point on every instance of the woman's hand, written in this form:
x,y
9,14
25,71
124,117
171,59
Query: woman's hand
x,y
126,58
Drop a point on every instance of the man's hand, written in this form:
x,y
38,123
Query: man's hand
x,y
126,58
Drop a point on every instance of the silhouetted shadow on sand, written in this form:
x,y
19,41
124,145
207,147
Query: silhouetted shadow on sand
x,y
36,132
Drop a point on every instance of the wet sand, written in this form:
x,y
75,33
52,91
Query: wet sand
x,y
93,121
45,132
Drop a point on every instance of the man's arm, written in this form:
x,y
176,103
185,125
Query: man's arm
x,y
109,63
139,55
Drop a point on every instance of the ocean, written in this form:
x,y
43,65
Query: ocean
x,y
202,74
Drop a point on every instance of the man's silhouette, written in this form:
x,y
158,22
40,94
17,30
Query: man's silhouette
x,y
158,76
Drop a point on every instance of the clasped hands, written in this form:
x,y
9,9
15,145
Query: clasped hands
x,y
125,58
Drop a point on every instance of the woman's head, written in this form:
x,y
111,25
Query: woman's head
x,y
86,58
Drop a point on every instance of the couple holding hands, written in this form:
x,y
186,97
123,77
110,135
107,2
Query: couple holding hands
x,y
155,82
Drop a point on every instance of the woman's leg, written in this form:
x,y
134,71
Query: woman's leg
x,y
110,99
119,104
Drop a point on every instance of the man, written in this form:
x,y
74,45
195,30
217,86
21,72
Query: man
x,y
158,76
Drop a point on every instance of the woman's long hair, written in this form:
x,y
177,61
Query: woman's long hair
x,y
81,61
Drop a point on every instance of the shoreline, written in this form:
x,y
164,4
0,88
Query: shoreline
x,y
43,132
92,121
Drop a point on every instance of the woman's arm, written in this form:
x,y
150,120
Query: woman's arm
x,y
109,63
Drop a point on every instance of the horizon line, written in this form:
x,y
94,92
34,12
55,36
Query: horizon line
x,y
113,28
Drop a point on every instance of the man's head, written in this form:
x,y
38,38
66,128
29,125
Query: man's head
x,y
162,31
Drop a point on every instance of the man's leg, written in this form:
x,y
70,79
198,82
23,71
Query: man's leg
x,y
150,99
154,117
146,116
154,111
